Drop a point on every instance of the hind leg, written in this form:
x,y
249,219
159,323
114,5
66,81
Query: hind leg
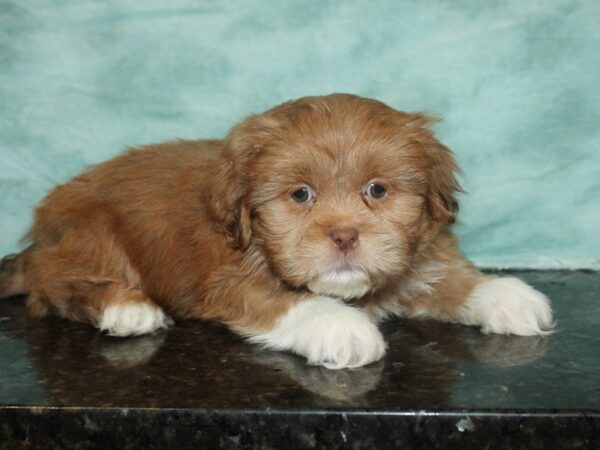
x,y
86,277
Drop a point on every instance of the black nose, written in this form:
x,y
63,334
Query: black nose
x,y
344,238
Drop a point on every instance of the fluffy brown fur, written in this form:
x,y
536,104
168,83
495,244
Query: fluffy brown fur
x,y
210,230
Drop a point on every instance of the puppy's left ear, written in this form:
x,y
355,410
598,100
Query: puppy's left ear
x,y
443,185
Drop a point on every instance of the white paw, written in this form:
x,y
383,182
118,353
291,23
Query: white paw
x,y
507,306
132,319
327,333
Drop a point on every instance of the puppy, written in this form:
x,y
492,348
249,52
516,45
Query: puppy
x,y
301,230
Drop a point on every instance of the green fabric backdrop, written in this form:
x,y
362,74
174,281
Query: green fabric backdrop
x,y
517,83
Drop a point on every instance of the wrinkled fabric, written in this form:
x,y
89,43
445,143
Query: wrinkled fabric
x,y
516,83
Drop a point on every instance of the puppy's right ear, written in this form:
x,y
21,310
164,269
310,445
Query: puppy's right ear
x,y
228,202
225,204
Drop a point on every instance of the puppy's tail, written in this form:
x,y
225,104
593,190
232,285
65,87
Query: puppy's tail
x,y
12,273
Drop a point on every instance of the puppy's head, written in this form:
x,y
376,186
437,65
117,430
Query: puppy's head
x,y
338,192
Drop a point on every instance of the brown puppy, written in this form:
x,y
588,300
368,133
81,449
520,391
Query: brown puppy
x,y
300,230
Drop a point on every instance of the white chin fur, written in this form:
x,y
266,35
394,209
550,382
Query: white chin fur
x,y
326,332
132,319
507,306
344,284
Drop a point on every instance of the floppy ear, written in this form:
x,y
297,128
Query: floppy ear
x,y
228,202
443,186
225,203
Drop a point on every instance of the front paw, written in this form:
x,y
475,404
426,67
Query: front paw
x,y
327,333
507,306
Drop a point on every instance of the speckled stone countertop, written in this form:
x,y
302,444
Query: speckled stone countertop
x,y
64,385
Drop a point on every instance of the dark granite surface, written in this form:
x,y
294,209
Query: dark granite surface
x,y
64,385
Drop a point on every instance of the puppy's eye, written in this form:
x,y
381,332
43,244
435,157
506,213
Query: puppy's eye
x,y
375,190
303,195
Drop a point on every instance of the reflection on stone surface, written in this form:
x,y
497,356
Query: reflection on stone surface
x,y
347,386
135,351
429,365
466,344
508,351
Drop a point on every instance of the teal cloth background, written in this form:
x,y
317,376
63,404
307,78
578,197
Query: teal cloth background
x,y
516,82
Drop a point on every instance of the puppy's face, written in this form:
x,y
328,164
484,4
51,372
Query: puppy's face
x,y
341,192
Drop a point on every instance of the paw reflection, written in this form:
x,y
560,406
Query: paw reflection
x,y
130,352
344,385
508,351
457,343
